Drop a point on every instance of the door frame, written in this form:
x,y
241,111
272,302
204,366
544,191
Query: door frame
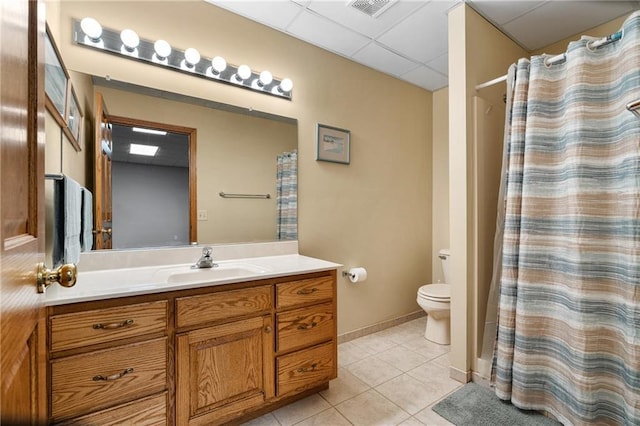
x,y
191,134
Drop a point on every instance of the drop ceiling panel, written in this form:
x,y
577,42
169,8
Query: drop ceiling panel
x,y
377,57
502,12
423,35
277,14
342,13
560,21
426,78
440,64
325,33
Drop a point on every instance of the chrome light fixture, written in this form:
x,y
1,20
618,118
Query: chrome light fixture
x,y
89,33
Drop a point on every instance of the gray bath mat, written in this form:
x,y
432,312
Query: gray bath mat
x,y
475,405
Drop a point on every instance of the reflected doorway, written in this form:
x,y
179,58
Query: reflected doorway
x,y
153,184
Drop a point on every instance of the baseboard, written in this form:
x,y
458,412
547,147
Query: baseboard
x,y
364,331
459,375
480,379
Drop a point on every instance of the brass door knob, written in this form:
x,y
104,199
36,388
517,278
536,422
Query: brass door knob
x,y
103,231
65,275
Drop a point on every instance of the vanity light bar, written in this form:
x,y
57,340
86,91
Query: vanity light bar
x,y
160,53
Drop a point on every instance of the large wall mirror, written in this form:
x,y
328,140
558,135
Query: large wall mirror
x,y
239,152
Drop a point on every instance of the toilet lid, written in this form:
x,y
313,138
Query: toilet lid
x,y
435,291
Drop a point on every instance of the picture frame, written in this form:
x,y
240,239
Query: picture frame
x,y
56,80
333,144
74,119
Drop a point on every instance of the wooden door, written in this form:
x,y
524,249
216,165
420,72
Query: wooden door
x,y
103,145
23,363
224,371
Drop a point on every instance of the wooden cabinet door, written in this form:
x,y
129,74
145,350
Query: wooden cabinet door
x,y
224,370
22,331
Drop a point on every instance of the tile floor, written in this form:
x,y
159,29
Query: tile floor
x,y
392,377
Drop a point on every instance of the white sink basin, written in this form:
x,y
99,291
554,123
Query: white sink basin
x,y
184,274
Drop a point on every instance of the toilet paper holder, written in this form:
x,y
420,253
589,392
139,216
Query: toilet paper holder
x,y
347,274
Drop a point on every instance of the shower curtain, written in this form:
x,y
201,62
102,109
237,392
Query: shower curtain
x,y
569,311
287,196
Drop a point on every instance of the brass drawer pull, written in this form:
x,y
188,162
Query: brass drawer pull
x,y
267,329
308,369
113,325
305,291
307,326
117,376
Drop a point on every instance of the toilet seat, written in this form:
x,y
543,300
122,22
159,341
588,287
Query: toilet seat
x,y
436,292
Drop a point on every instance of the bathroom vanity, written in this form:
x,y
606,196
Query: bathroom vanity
x,y
168,348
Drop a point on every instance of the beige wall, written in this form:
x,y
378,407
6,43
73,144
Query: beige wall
x,y
440,172
236,153
375,212
477,52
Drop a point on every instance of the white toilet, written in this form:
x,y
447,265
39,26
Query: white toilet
x,y
435,299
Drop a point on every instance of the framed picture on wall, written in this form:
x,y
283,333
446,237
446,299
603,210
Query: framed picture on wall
x,y
332,144
56,80
73,118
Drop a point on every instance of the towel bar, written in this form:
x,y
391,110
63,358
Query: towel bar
x,y
224,195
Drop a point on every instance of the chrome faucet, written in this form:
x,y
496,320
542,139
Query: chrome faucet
x,y
206,260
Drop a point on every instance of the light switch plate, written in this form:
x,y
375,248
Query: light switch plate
x,y
202,215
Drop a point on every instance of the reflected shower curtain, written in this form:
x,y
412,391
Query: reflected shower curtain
x,y
569,312
287,196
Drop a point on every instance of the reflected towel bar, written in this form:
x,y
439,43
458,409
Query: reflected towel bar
x,y
224,195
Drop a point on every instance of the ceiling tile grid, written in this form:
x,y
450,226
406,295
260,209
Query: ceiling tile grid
x,y
409,40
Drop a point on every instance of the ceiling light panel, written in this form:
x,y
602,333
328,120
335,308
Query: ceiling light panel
x,y
147,150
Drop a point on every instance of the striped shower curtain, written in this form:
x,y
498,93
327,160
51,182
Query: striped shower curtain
x,y
569,312
287,196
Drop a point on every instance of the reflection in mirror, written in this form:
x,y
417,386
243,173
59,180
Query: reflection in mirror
x,y
239,151
150,187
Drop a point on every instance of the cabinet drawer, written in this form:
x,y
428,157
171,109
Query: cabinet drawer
x,y
195,310
304,291
81,329
305,369
84,383
304,326
151,411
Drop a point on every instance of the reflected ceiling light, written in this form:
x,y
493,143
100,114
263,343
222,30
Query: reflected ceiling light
x,y
150,131
218,64
130,39
92,29
243,73
148,150
191,57
285,85
162,49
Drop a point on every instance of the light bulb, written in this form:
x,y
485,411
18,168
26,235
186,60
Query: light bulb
x,y
286,85
91,28
191,56
218,64
265,78
244,72
130,39
162,48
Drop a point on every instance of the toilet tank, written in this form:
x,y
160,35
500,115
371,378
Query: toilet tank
x,y
444,255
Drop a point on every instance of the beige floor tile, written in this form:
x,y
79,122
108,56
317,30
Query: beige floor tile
x,y
373,371
370,409
431,418
402,358
427,349
435,378
344,387
301,410
373,343
411,421
348,353
399,334
444,360
330,417
266,420
409,393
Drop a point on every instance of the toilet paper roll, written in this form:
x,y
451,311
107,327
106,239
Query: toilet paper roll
x,y
357,275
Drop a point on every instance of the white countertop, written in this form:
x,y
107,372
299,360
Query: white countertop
x,y
131,281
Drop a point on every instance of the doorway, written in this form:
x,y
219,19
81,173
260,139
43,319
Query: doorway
x,y
153,184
